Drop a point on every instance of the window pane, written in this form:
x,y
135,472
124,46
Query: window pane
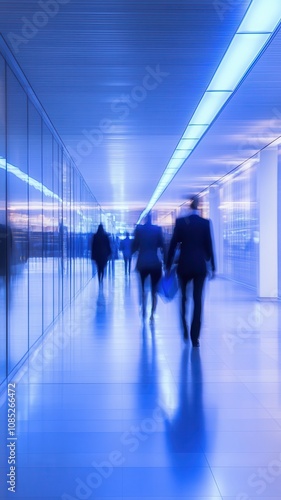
x,y
48,229
57,169
17,210
240,227
4,240
65,231
35,225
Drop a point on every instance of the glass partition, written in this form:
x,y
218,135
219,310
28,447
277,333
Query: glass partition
x,y
240,226
48,228
47,216
57,215
17,218
4,249
35,195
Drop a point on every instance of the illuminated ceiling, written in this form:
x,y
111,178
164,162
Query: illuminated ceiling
x,y
121,79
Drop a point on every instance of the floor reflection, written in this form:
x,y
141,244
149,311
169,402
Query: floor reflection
x,y
187,423
185,428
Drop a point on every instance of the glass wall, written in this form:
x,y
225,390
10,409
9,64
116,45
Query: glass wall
x,y
279,218
5,237
240,227
47,216
17,217
35,227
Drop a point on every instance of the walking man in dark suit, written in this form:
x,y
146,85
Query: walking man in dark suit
x,y
193,235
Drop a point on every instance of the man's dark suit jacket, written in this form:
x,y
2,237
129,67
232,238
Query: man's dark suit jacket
x,y
148,238
193,233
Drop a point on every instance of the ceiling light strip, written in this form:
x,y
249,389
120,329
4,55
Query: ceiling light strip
x,y
260,22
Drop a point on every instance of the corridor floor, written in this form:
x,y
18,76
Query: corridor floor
x,y
111,408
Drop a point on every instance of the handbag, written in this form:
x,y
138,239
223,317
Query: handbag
x,y
168,285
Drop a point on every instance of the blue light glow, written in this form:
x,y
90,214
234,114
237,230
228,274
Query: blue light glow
x,y
187,144
209,106
261,17
194,131
29,180
240,55
181,154
259,23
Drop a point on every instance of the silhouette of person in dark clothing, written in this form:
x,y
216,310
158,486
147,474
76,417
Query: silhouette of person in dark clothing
x,y
101,251
126,249
6,246
193,234
147,240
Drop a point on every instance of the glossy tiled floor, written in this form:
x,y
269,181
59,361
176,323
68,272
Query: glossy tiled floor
x,y
109,408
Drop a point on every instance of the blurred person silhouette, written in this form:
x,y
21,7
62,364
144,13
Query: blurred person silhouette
x,y
193,236
101,251
6,248
114,245
126,249
114,242
148,239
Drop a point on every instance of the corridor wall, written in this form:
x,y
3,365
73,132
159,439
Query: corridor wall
x,y
47,216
